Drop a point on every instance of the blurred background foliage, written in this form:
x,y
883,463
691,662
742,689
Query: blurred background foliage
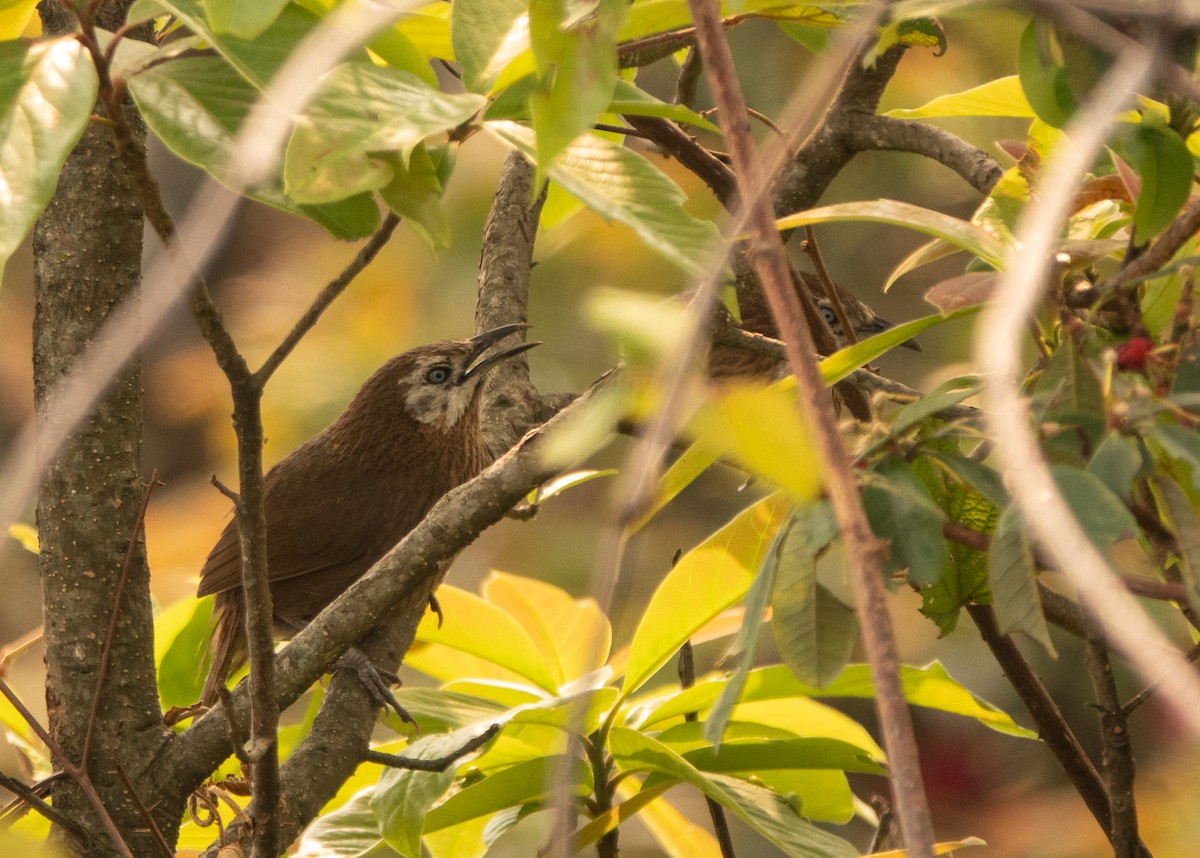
x,y
273,264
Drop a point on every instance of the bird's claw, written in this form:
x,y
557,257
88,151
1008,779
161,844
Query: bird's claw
x,y
436,607
377,682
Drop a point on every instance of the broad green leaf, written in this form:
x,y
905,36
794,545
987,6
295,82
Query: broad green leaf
x,y
707,580
900,510
362,109
428,28
486,34
179,635
573,635
634,101
1165,166
524,783
1181,517
1180,444
399,52
403,798
979,477
46,95
962,234
750,747
577,70
1000,97
945,395
760,428
415,192
1099,512
1116,462
764,811
745,645
1044,81
929,686
814,631
621,185
438,709
245,19
473,626
351,831
1013,580
195,106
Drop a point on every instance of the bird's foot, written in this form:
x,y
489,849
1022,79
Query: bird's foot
x,y
377,682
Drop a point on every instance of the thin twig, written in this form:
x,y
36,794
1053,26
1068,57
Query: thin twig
x,y
865,551
813,251
36,802
438,764
114,615
687,678
321,303
1117,756
1053,728
147,816
78,775
1142,696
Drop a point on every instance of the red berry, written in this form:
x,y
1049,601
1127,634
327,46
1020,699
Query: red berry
x,y
1132,355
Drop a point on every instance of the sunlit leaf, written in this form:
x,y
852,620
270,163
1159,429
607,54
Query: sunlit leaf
x,y
946,848
705,581
47,91
351,831
1000,97
486,34
530,781
764,811
843,362
618,184
1165,166
962,234
179,635
473,626
572,634
26,534
640,802
246,20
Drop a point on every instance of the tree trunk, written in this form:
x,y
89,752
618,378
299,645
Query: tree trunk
x,y
87,258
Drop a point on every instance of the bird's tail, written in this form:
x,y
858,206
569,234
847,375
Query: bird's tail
x,y
226,648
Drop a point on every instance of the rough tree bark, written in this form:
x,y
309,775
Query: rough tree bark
x,y
87,258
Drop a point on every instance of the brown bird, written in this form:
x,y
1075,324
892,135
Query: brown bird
x,y
338,503
727,361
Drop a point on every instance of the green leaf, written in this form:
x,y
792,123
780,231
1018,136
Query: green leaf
x,y
814,631
749,750
1181,517
478,31
982,479
1099,512
745,643
1116,462
1044,82
962,234
525,782
362,109
1013,579
195,106
245,19
577,66
767,813
945,395
179,635
762,429
845,361
900,510
929,686
1000,97
621,185
415,192
46,95
350,831
633,101
1181,445
1166,168
404,797
707,580
692,462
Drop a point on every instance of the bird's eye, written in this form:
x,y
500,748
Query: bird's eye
x,y
830,316
439,374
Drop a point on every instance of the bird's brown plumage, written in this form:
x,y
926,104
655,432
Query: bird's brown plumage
x,y
338,503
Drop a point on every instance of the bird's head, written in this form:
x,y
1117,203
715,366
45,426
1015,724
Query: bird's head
x,y
441,382
862,319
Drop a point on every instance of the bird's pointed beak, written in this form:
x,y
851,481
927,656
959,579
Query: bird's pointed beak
x,y
879,325
482,342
